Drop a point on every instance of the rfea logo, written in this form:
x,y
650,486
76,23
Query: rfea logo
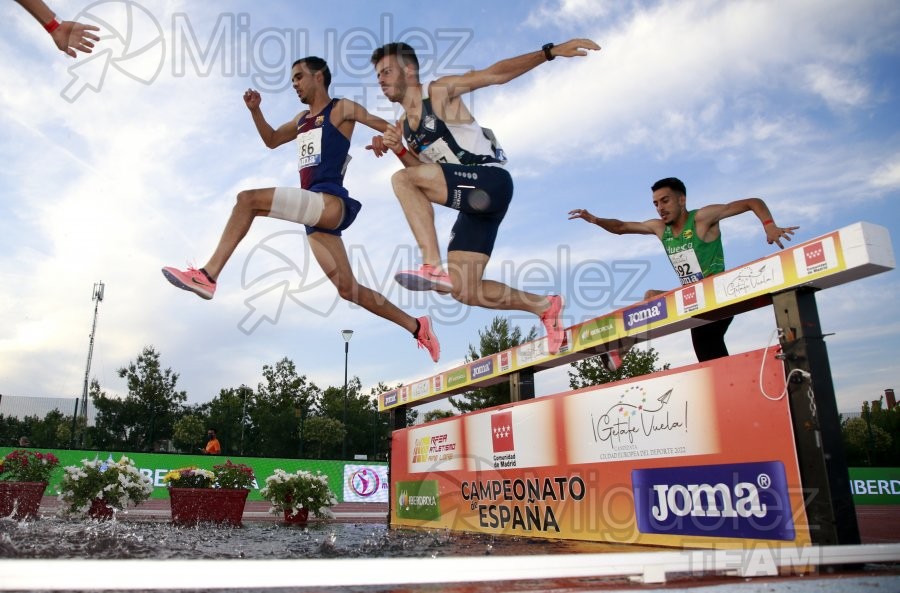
x,y
742,500
420,450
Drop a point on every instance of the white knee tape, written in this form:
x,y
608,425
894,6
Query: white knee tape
x,y
297,205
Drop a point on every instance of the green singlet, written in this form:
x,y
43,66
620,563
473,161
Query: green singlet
x,y
692,258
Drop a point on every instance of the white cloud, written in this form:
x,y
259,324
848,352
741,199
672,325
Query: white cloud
x,y
698,76
839,90
567,12
888,175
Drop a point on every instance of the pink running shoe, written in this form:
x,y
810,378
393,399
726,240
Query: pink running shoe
x,y
427,339
426,277
192,280
552,320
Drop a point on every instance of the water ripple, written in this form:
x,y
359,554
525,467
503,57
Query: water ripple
x,y
67,538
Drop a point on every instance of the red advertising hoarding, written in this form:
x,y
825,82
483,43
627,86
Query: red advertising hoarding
x,y
700,456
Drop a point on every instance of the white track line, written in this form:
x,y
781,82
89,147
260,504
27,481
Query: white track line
x,y
648,567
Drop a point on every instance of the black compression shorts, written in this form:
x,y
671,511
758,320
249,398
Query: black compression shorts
x,y
482,195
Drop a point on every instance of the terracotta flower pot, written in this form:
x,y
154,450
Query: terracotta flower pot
x,y
301,517
100,510
214,505
21,500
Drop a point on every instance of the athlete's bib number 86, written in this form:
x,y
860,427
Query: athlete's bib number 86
x,y
309,148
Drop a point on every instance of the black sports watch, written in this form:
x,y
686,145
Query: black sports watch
x,y
547,47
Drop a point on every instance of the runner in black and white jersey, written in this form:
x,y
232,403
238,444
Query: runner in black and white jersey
x,y
454,162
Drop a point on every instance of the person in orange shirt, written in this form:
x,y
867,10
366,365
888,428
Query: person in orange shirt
x,y
213,447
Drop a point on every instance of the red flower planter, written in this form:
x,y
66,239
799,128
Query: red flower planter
x,y
207,505
301,517
100,510
21,500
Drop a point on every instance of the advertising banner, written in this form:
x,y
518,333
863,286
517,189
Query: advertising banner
x,y
694,457
156,465
875,485
365,483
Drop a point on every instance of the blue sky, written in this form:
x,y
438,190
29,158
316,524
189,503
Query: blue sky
x,y
794,102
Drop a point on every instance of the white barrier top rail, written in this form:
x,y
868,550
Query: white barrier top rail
x,y
856,251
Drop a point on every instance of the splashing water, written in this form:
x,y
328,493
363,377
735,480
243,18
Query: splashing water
x,y
66,538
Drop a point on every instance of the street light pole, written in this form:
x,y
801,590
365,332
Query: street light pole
x,y
243,418
346,334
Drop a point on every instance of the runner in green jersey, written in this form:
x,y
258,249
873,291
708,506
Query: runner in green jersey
x,y
693,241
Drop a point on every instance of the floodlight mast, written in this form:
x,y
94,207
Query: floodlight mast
x,y
97,298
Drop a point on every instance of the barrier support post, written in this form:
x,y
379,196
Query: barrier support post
x,y
817,428
398,422
521,385
398,418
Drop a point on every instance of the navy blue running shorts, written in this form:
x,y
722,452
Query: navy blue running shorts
x,y
351,209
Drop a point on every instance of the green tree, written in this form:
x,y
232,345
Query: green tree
x,y
189,432
152,403
11,428
636,363
225,413
29,426
381,424
359,417
496,337
432,415
871,438
64,433
864,445
323,434
283,403
45,432
889,421
113,421
75,430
